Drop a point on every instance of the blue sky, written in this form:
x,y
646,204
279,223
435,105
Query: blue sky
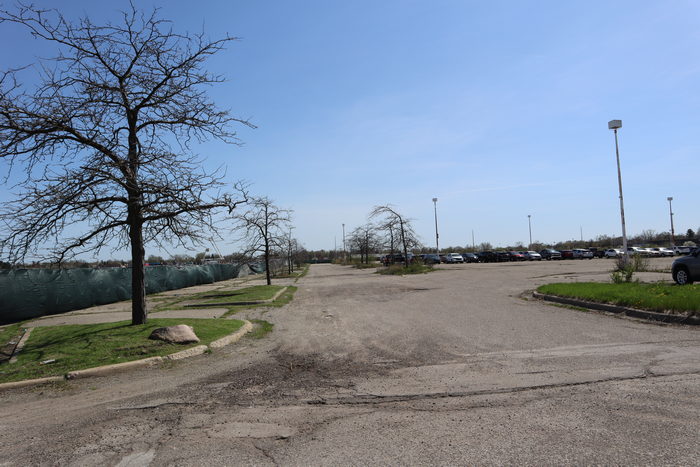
x,y
499,109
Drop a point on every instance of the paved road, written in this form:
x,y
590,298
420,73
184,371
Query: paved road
x,y
453,367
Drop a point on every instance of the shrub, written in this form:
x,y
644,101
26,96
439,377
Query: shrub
x,y
625,267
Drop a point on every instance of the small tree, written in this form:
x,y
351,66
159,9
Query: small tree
x,y
364,239
105,140
263,225
397,224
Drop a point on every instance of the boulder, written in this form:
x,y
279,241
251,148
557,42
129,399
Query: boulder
x,y
179,334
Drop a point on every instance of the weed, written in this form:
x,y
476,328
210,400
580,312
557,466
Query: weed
x,y
261,329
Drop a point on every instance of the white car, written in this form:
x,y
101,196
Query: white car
x,y
533,256
453,258
681,250
613,253
635,250
653,252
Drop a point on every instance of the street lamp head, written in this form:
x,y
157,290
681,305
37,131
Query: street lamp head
x,y
434,200
614,124
670,198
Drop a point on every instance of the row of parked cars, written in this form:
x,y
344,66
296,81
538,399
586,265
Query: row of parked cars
x,y
685,270
546,254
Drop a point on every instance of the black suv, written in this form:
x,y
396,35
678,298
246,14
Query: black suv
x,y
686,269
549,253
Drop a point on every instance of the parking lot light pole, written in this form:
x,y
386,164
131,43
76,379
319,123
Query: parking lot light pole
x,y
529,226
345,253
614,125
670,210
437,236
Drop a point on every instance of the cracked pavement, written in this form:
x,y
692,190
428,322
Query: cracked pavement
x,y
452,367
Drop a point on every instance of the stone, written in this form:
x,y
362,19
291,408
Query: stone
x,y
179,334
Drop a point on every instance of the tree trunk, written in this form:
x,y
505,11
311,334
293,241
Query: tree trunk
x,y
267,263
405,247
138,273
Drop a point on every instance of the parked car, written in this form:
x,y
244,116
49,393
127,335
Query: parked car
x,y
487,257
516,256
653,252
549,254
665,251
582,253
396,258
681,250
470,258
431,258
613,253
453,258
532,255
567,254
597,252
635,250
686,270
503,256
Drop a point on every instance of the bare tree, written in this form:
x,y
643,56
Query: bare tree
x,y
397,225
291,247
263,225
105,140
364,239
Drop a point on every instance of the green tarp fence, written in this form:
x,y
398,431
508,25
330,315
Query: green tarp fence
x,y
30,293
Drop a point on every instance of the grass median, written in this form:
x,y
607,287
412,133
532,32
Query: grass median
x,y
76,347
659,297
400,269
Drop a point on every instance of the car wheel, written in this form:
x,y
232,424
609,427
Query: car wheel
x,y
682,277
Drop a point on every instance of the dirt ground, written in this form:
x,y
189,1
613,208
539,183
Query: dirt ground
x,y
451,367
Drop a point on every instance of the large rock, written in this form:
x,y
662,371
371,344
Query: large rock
x,y
179,334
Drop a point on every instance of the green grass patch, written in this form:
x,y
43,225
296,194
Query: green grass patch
x,y
75,347
261,328
286,297
247,294
655,297
400,270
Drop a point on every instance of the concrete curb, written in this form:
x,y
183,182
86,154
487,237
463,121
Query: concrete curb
x,y
191,352
623,310
114,368
145,362
31,382
230,339
250,302
20,344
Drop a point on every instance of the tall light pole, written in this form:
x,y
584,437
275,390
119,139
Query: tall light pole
x,y
614,125
529,226
344,251
437,236
670,210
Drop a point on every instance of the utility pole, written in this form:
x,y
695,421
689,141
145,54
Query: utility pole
x,y
670,210
437,236
345,253
529,226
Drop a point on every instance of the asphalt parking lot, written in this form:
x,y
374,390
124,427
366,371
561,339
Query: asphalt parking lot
x,y
452,367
